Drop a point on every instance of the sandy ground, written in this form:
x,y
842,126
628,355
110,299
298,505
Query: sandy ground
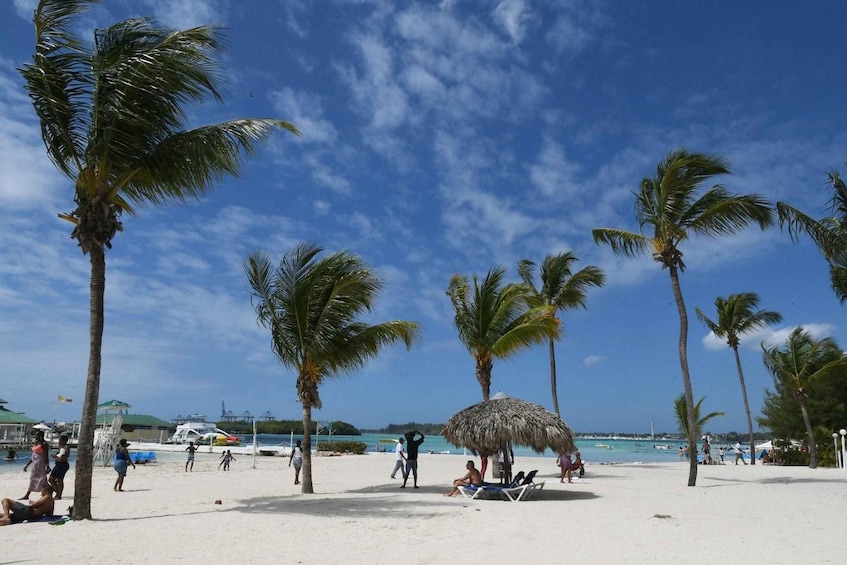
x,y
616,514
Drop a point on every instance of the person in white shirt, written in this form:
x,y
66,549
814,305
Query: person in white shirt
x,y
399,459
739,453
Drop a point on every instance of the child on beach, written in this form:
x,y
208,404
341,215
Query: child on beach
x,y
190,449
226,457
296,458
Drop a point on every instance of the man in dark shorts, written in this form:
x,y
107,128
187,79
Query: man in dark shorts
x,y
15,511
60,467
190,461
412,446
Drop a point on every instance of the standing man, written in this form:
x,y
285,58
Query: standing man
x,y
399,459
721,453
60,467
412,456
190,461
707,452
739,453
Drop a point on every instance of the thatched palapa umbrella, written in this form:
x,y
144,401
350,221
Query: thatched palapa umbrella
x,y
494,424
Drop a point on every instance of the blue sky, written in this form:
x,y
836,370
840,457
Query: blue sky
x,y
439,138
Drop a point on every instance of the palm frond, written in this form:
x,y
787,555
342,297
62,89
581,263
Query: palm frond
x,y
535,327
622,242
718,213
187,165
59,83
799,223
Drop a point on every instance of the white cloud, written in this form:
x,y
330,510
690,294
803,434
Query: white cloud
x,y
514,17
306,112
322,207
25,8
552,173
591,360
770,336
576,27
188,13
294,10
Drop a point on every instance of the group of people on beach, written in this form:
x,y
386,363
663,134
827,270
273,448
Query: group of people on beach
x,y
407,461
49,483
707,459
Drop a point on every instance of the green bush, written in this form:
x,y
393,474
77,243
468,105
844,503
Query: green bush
x,y
353,447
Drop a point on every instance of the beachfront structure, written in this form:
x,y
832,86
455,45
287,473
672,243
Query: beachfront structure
x,y
14,427
134,427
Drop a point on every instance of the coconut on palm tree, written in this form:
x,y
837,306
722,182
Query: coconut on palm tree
x,y
738,314
669,211
495,322
312,307
829,233
562,289
801,360
113,121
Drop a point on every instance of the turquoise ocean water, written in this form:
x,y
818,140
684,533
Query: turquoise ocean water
x,y
607,452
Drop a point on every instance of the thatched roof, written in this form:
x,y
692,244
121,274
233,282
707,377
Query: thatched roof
x,y
493,424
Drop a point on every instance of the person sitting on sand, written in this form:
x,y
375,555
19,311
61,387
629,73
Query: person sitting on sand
x,y
472,477
15,512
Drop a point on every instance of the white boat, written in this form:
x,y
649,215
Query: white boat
x,y
202,433
661,447
603,445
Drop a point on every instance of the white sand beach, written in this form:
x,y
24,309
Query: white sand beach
x,y
617,514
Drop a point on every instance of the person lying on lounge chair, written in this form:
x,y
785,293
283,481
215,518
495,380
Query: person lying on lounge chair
x,y
15,511
472,477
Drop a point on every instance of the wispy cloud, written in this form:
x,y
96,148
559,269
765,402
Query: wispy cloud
x,y
769,336
515,17
591,360
188,13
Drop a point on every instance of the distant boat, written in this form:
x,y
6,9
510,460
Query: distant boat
x,y
603,445
200,433
661,447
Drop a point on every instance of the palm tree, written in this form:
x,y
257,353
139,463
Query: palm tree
x,y
829,233
562,289
680,408
738,315
667,205
312,308
495,322
799,361
112,119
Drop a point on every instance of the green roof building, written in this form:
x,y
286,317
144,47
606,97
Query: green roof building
x,y
14,427
134,427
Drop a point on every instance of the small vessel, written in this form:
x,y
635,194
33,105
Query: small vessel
x,y
202,433
603,445
661,447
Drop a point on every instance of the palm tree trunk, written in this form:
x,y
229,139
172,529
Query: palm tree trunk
x,y
813,452
85,447
686,377
483,375
746,405
306,478
553,379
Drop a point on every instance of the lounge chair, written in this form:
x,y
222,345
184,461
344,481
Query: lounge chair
x,y
521,488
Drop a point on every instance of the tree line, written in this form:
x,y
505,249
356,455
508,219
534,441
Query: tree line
x,y
288,426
